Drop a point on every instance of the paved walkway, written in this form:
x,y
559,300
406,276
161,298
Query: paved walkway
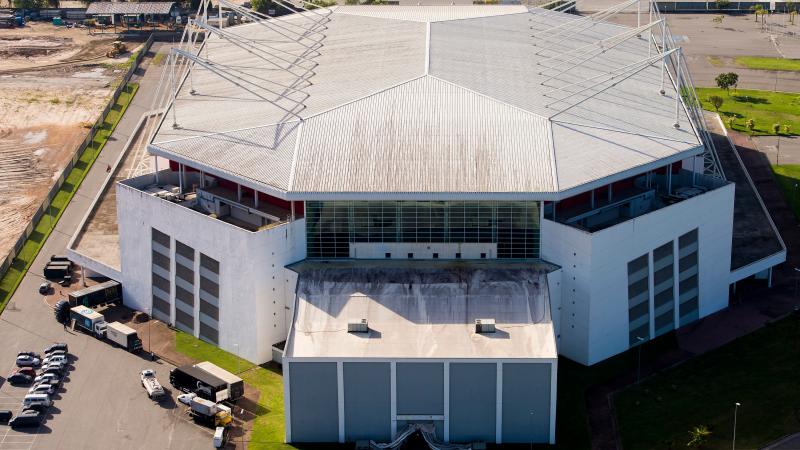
x,y
750,308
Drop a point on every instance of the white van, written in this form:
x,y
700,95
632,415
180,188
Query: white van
x,y
35,400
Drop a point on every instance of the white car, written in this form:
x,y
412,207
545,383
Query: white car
x,y
49,378
186,399
27,361
42,388
55,359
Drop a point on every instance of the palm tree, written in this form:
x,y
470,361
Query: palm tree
x,y
757,9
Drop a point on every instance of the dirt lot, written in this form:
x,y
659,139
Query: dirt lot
x,y
47,102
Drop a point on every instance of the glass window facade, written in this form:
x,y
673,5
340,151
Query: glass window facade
x,y
332,225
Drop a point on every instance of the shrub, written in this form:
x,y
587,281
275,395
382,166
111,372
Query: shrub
x,y
698,436
716,101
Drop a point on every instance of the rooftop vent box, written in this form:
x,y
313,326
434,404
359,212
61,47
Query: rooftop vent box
x,y
357,326
484,326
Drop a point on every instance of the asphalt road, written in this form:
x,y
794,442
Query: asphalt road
x,y
102,404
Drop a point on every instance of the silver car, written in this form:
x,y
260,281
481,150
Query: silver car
x,y
42,388
27,361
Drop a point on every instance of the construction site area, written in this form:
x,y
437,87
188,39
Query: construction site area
x,y
54,83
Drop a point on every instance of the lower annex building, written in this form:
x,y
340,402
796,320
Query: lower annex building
x,y
418,209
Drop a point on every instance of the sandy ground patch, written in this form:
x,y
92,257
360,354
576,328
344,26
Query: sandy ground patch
x,y
47,104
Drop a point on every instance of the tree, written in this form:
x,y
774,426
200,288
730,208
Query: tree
x,y
776,128
29,4
716,101
751,125
757,9
260,5
722,4
727,80
698,436
731,122
786,129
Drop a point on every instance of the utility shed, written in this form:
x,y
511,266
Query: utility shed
x,y
422,359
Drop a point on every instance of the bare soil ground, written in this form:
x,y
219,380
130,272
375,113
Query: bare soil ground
x,y
54,83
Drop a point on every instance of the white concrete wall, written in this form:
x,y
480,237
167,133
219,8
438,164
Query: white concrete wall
x,y
554,292
251,278
595,278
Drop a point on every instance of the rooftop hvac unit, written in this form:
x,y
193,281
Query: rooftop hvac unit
x,y
484,326
357,326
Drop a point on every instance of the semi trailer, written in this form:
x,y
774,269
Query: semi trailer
x,y
99,294
235,384
192,379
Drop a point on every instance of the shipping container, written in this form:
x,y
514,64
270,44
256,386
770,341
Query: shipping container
x,y
124,336
99,294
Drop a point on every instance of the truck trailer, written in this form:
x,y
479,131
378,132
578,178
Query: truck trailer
x,y
124,336
192,379
99,294
235,384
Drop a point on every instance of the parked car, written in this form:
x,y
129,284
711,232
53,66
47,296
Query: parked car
x,y
5,415
28,361
20,378
55,359
49,378
38,408
30,371
45,287
31,354
186,399
42,388
56,352
27,418
54,369
57,346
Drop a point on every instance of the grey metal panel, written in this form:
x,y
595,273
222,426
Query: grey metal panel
x,y
420,388
314,401
473,402
367,401
526,402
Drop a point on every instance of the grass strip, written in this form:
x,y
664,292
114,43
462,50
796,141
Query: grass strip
x,y
758,370
30,249
788,177
268,428
765,108
765,63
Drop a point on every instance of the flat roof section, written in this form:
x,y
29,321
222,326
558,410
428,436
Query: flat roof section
x,y
422,309
753,236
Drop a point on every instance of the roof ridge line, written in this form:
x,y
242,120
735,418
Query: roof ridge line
x,y
349,102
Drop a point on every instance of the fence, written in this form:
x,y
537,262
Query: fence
x,y
45,206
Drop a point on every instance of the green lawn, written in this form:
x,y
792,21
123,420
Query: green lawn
x,y
763,63
764,107
759,370
268,430
13,276
788,176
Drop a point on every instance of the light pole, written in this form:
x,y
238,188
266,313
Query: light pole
x,y
735,411
531,413
236,346
150,342
640,340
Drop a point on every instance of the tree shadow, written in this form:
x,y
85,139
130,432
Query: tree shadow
x,y
751,100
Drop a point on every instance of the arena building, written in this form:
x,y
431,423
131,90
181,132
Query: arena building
x,y
418,209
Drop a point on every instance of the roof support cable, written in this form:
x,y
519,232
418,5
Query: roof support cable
x,y
582,24
259,52
603,49
624,69
578,52
243,84
288,26
273,25
616,82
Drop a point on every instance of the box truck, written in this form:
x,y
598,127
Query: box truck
x,y
88,320
192,379
124,336
235,384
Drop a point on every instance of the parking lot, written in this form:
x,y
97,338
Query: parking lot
x,y
101,404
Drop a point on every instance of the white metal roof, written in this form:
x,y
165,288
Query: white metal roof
x,y
424,310
418,102
107,8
